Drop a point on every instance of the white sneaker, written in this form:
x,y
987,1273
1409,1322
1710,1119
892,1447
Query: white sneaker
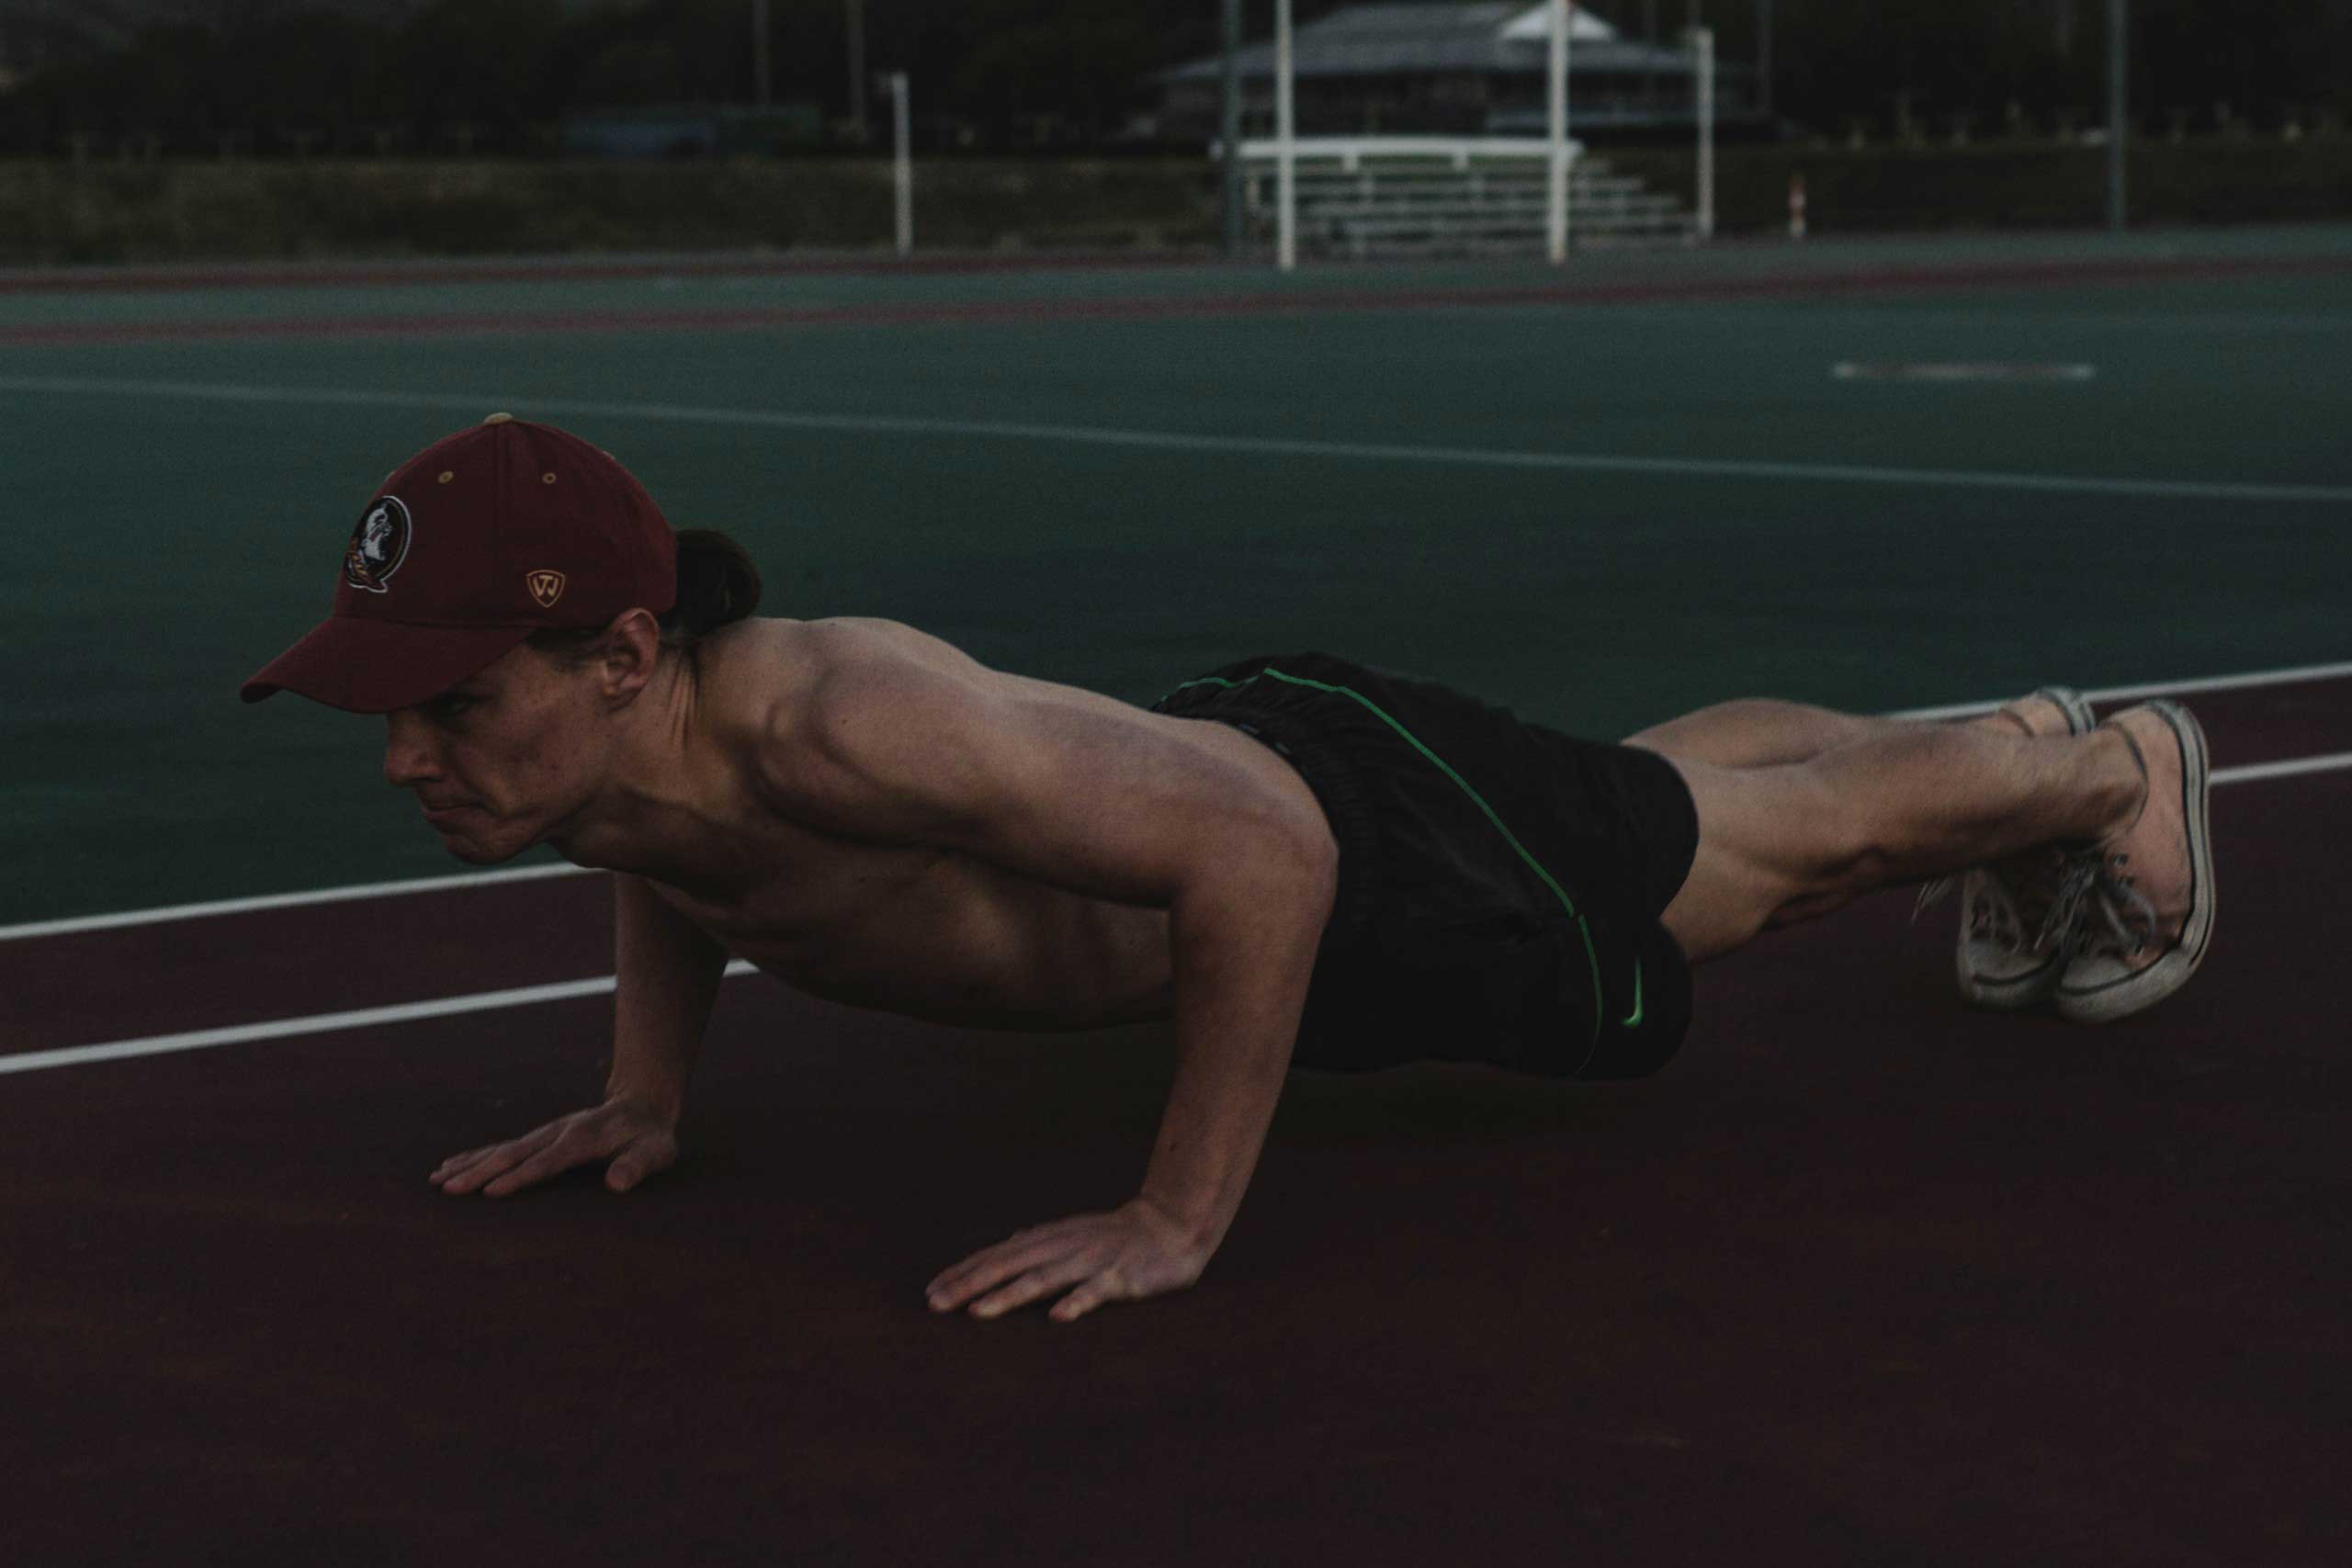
x,y
2013,945
2146,896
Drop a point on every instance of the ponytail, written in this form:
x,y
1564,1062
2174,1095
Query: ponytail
x,y
718,585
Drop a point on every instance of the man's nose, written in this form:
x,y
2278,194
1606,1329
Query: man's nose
x,y
408,755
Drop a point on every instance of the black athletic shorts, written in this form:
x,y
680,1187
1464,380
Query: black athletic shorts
x,y
1500,883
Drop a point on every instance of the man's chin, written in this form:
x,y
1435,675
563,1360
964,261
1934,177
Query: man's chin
x,y
476,851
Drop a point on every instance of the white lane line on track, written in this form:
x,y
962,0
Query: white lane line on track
x,y
2281,677
285,900
483,1002
2294,768
317,1023
2286,677
1186,441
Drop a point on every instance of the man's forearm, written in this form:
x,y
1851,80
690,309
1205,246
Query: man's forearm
x,y
668,979
1244,951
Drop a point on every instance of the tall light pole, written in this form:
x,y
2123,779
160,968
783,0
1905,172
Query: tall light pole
x,y
2119,110
760,52
1556,127
1229,128
1285,146
857,67
1702,51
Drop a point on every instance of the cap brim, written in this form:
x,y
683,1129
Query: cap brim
x,y
377,666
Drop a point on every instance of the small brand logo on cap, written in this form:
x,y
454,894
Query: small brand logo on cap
x,y
379,544
546,587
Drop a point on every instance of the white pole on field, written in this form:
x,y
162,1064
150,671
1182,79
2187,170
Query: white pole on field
x,y
903,162
1703,44
1286,147
1556,201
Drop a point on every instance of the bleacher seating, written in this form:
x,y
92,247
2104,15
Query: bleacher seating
x,y
1426,196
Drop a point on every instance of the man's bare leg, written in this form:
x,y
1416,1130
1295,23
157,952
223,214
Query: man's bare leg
x,y
1898,801
1761,732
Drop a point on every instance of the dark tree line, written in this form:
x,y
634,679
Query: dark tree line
x,y
1930,62
498,74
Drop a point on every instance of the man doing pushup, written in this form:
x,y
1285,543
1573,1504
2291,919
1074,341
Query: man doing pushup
x,y
1302,862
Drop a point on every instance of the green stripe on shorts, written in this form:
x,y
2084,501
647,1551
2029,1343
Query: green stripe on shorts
x,y
1592,958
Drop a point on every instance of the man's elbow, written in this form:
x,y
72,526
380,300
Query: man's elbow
x,y
1297,869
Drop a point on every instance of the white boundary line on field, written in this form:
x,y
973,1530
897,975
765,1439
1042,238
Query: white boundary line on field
x,y
284,900
317,1023
1187,441
119,918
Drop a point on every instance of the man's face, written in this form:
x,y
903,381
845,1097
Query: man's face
x,y
500,759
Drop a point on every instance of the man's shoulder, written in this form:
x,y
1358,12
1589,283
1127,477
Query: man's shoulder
x,y
848,666
806,697
773,672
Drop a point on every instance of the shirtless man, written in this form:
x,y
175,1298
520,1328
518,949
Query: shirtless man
x,y
1300,862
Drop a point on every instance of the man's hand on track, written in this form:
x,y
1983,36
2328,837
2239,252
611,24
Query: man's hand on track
x,y
639,1140
1133,1252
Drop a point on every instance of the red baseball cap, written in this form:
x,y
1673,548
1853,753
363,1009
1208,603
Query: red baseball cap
x,y
472,545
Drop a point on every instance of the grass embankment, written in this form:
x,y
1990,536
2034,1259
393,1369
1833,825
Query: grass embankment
x,y
1879,189
57,212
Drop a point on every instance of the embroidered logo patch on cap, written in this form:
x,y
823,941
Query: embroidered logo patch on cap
x,y
379,544
546,587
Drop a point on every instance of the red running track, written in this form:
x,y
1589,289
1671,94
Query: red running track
x,y
1862,1274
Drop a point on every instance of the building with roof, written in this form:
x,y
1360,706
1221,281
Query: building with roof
x,y
1462,70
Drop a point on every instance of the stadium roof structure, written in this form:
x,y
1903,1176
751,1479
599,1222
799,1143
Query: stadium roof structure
x,y
1500,37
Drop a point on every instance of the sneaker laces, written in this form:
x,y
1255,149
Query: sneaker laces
x,y
2106,913
1999,911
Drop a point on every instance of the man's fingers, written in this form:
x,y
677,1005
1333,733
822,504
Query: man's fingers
x,y
529,1154
989,1266
1080,1301
571,1147
458,1164
489,1163
533,1139
500,1168
1042,1281
984,1271
1035,1266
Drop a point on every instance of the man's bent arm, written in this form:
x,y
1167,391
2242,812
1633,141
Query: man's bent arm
x,y
1244,950
911,743
669,971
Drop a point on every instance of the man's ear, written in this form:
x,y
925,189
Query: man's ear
x,y
632,647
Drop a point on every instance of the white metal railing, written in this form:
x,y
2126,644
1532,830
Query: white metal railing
x,y
1455,151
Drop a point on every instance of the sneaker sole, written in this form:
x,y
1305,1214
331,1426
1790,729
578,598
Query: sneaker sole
x,y
2136,993
2016,993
